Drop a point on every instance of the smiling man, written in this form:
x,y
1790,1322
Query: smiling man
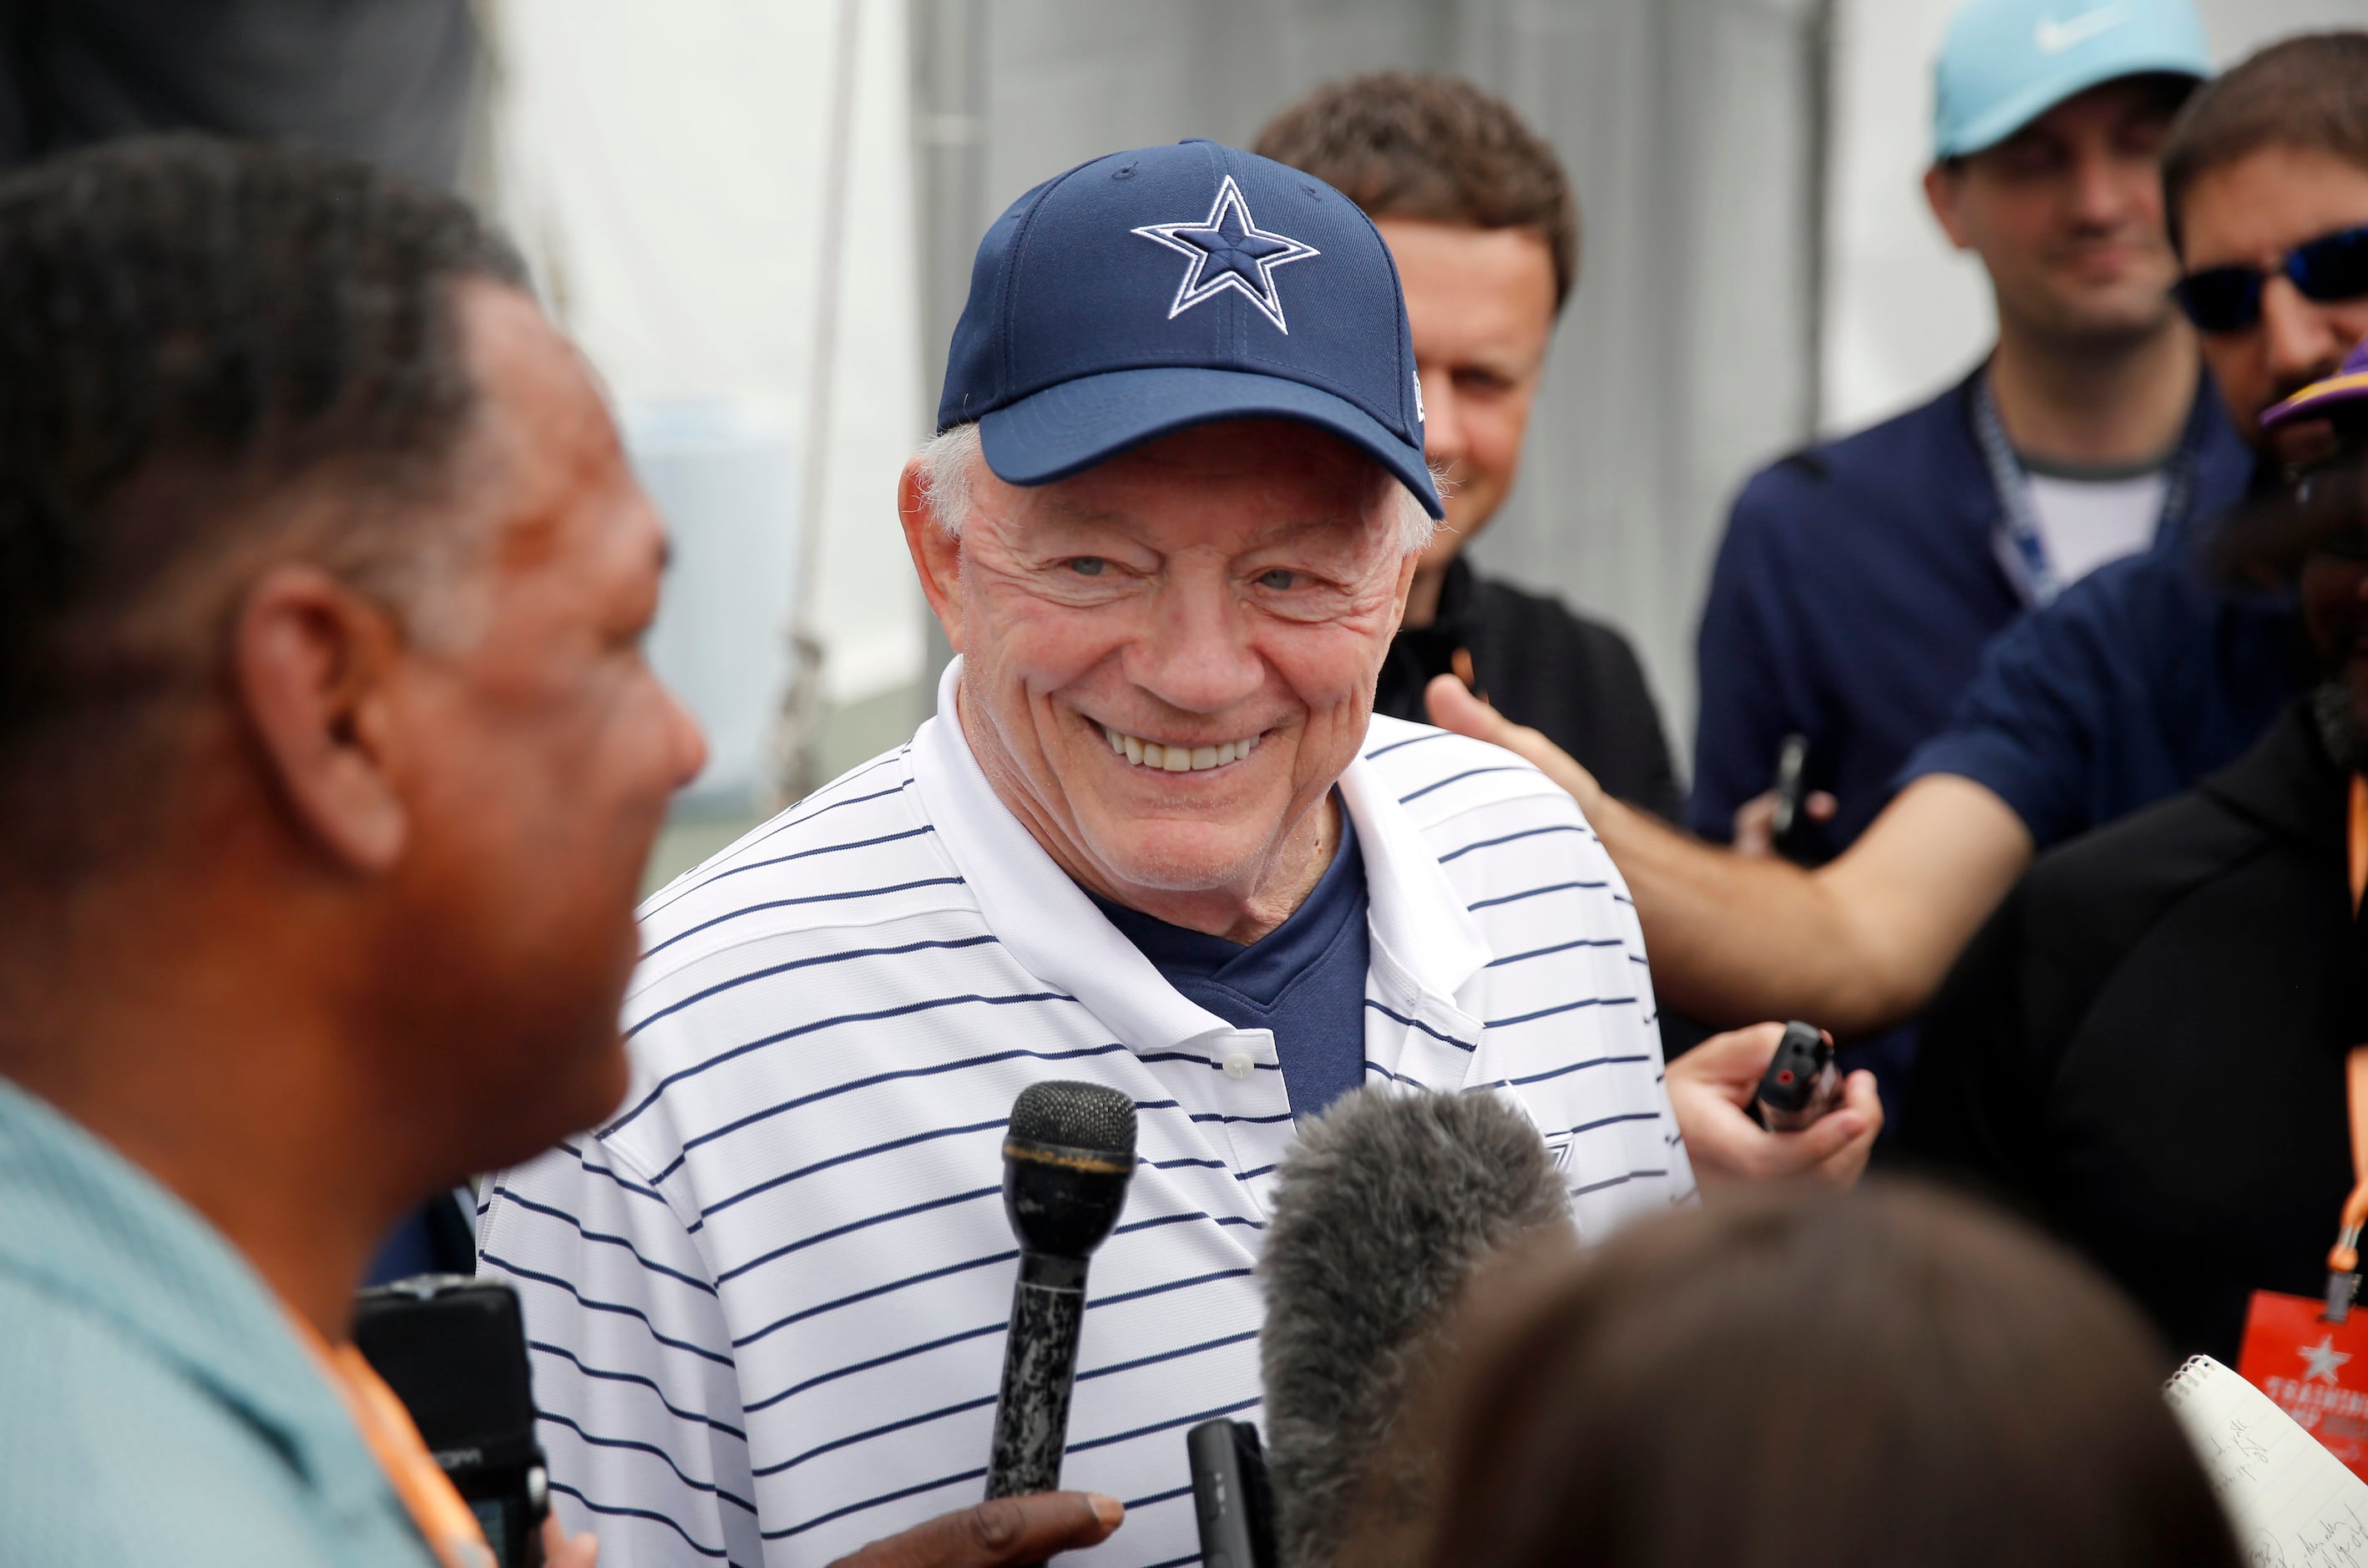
x,y
1861,577
1153,838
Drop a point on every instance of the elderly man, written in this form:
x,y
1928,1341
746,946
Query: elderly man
x,y
328,764
1152,839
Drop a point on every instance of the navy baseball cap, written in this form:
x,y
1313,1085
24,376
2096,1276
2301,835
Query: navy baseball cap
x,y
1150,291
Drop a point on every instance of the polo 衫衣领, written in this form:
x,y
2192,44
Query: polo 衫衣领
x,y
767,1299
1304,982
